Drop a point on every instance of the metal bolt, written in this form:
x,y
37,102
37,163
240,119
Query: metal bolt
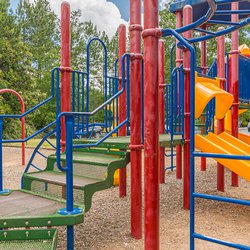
x,y
49,222
49,233
5,234
26,223
27,234
5,223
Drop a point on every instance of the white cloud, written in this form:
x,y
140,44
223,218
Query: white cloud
x,y
105,15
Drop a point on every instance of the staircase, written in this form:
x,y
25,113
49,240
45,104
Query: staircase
x,y
43,196
93,171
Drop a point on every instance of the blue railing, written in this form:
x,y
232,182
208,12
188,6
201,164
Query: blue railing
x,y
55,75
174,103
81,89
125,86
193,153
37,151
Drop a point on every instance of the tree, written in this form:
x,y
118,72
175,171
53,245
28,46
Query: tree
x,y
39,27
15,67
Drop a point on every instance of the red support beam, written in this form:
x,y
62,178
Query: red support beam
x,y
179,61
135,118
187,19
234,82
122,105
220,123
204,71
151,123
65,66
161,107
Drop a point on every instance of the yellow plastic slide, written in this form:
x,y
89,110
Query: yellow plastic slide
x,y
205,90
226,144
228,124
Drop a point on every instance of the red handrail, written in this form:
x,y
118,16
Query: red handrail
x,y
2,91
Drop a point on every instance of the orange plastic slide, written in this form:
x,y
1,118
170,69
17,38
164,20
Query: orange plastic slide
x,y
205,90
224,143
245,137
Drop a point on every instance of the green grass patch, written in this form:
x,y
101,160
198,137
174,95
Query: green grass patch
x,y
32,143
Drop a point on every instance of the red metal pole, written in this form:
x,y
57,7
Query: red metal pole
x,y
187,19
122,105
179,61
204,71
151,123
2,91
161,107
234,82
65,66
135,118
220,123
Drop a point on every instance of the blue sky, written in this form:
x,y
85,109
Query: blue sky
x,y
14,3
123,6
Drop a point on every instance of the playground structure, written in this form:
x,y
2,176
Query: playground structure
x,y
60,193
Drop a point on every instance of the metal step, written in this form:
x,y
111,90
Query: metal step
x,y
26,209
59,178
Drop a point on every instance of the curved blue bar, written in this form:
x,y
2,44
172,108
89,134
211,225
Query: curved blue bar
x,y
87,114
199,22
221,32
105,65
41,103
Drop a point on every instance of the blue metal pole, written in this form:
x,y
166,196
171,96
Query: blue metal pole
x,y
69,179
2,191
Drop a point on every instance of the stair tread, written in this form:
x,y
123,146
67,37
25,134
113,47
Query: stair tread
x,y
20,203
87,157
60,178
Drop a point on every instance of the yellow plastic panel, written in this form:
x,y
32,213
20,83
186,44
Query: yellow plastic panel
x,y
238,144
204,92
245,138
244,50
211,144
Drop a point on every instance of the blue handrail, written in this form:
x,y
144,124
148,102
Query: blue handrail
x,y
87,114
105,65
36,150
57,70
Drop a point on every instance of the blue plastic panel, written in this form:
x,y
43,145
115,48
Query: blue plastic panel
x,y
244,73
200,8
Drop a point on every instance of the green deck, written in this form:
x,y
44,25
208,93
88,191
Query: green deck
x,y
122,142
22,208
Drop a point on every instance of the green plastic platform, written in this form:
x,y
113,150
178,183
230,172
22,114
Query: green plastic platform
x,y
22,208
122,142
42,239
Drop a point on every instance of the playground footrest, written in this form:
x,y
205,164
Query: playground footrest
x,y
39,239
90,158
59,178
